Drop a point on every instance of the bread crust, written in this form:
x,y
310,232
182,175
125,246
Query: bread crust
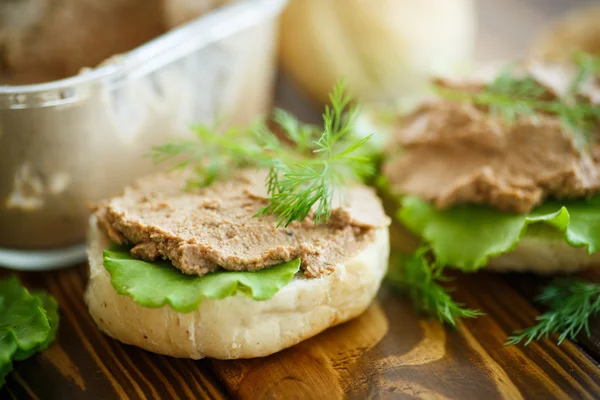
x,y
237,326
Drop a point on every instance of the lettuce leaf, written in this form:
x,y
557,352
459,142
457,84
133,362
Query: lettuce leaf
x,y
466,236
28,323
155,284
50,307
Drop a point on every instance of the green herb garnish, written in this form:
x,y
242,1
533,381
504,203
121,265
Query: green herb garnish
x,y
571,303
295,187
421,280
28,323
307,168
214,158
511,96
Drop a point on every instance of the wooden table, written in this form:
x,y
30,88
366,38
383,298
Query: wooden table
x,y
389,352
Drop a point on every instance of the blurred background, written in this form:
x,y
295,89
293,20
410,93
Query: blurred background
x,y
88,86
463,35
509,28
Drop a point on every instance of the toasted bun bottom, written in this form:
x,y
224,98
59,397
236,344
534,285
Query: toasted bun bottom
x,y
544,255
237,326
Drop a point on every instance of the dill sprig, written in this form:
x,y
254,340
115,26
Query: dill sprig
x,y
588,67
421,280
571,303
511,96
301,134
213,155
306,169
296,188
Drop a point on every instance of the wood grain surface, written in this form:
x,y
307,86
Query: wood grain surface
x,y
388,352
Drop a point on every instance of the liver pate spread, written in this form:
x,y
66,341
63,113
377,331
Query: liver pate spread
x,y
452,153
206,229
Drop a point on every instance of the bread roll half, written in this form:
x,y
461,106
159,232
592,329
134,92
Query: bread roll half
x,y
237,326
543,250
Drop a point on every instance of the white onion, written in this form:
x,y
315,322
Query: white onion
x,y
385,48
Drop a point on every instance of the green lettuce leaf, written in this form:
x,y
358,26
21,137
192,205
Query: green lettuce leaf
x,y
155,284
25,325
51,309
466,236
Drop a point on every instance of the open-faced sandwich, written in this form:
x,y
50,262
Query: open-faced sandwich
x,y
254,247
503,173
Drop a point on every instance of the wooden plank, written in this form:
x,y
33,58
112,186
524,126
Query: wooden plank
x,y
391,351
85,363
388,351
411,359
549,370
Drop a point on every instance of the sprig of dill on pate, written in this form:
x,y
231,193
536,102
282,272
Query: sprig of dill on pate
x,y
213,156
512,95
421,280
307,168
296,187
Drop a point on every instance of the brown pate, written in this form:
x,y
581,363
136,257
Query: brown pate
x,y
453,153
206,229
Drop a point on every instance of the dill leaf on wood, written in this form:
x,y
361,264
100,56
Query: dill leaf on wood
x,y
420,279
571,303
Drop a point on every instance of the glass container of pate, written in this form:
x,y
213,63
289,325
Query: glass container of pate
x,y
67,143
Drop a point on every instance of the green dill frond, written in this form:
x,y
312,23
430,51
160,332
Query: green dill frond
x,y
588,66
420,279
306,170
302,135
571,303
297,189
338,118
511,97
212,156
